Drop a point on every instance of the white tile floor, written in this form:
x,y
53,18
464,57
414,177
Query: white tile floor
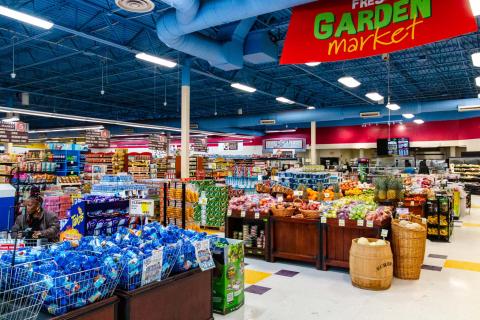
x,y
312,294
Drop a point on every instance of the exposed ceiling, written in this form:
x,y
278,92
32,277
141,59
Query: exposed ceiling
x,y
62,68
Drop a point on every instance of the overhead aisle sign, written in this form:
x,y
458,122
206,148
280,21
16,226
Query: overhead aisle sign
x,y
335,30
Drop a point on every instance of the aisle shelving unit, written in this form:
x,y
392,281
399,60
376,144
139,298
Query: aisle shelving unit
x,y
440,218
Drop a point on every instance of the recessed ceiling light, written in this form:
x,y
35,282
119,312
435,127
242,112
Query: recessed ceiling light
x,y
243,87
419,121
281,131
349,82
475,4
156,60
408,116
285,100
44,24
313,64
310,108
477,81
374,96
393,106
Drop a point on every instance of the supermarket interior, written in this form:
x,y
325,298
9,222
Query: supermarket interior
x,y
239,160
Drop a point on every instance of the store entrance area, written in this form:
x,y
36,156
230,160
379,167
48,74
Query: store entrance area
x,y
451,274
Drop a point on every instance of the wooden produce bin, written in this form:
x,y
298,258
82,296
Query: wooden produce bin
x,y
337,240
185,296
296,239
104,310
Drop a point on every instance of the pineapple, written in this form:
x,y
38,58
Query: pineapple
x,y
381,188
320,195
336,190
392,189
400,190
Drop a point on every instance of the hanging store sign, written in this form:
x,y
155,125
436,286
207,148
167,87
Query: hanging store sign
x,y
200,145
14,132
158,142
335,30
295,144
97,139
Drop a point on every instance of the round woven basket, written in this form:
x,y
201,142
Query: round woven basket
x,y
310,214
408,251
287,212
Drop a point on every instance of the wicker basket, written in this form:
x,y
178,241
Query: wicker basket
x,y
298,203
287,212
310,214
371,267
408,251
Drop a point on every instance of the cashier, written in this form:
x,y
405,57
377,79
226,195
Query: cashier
x,y
36,223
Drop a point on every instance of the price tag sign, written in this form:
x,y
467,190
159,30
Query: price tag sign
x,y
142,207
257,214
298,193
279,197
360,223
323,220
203,201
341,222
260,178
412,203
152,267
203,255
369,224
384,233
229,212
424,220
275,178
243,213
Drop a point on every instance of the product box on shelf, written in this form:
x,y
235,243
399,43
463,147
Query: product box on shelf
x,y
228,277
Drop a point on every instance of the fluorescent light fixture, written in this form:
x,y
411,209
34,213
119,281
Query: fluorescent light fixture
x,y
393,106
374,96
156,60
475,5
477,81
408,115
44,24
468,108
243,87
310,108
476,59
281,131
313,64
43,114
285,100
349,82
67,129
419,121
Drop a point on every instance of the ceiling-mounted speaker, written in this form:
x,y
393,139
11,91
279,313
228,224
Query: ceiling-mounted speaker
x,y
367,115
137,6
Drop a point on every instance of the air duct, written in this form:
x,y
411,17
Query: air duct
x,y
176,28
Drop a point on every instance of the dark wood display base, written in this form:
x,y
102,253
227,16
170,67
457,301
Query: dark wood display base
x,y
186,296
235,223
296,239
104,310
336,240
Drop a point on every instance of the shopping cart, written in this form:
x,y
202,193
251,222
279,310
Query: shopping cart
x,y
22,293
139,272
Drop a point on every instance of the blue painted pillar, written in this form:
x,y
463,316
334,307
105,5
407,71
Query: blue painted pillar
x,y
185,120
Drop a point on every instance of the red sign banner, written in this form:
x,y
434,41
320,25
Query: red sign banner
x,y
335,30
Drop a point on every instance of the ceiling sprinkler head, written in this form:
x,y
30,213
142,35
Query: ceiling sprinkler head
x,y
13,75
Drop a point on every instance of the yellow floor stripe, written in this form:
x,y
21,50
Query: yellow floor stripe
x,y
462,265
253,277
473,225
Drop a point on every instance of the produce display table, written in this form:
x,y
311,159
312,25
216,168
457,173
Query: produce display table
x,y
296,239
104,310
182,297
337,240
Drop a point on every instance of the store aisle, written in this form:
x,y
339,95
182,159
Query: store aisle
x,y
447,289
